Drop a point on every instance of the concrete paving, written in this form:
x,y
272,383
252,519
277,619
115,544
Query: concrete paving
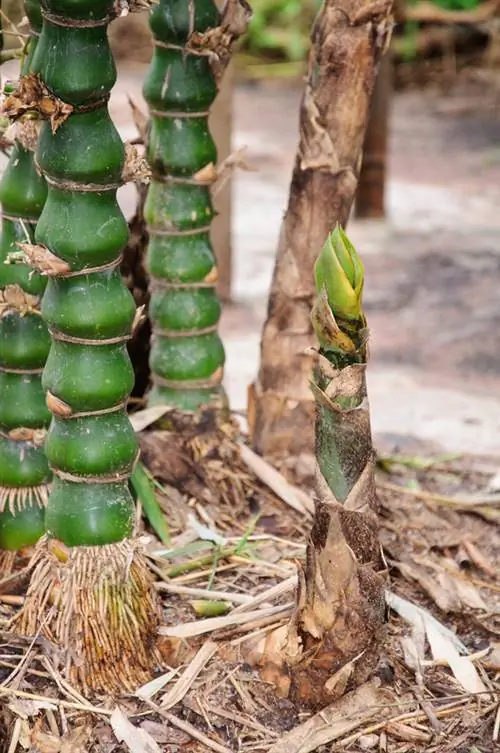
x,y
433,268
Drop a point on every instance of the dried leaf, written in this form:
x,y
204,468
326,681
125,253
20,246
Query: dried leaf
x,y
274,480
164,734
28,708
144,418
14,298
151,688
43,260
443,649
478,558
493,658
32,96
136,739
44,743
76,741
22,434
466,592
183,684
58,406
446,600
339,680
136,168
418,617
207,174
335,721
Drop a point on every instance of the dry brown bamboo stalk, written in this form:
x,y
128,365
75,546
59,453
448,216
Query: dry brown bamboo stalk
x,y
348,39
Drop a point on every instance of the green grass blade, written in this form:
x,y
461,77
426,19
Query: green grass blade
x,y
144,489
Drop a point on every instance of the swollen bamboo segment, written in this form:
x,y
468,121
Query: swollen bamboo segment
x,y
187,355
24,346
87,567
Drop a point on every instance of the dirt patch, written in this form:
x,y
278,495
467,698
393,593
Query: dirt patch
x,y
439,526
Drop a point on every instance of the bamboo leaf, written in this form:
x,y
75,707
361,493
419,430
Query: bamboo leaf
x,y
143,487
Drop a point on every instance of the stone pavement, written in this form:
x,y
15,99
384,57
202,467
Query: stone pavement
x,y
433,269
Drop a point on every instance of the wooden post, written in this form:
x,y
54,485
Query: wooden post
x,y
370,195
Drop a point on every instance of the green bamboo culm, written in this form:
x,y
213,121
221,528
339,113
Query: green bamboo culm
x,y
24,342
187,355
336,628
107,613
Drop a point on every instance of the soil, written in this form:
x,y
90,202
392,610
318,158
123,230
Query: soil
x,y
439,529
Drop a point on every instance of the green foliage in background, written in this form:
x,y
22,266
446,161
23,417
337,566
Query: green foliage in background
x,y
280,29
455,4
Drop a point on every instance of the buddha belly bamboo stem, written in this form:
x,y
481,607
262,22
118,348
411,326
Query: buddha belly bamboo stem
x,y
91,592
187,355
24,346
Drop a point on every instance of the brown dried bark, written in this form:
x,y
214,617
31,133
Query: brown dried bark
x,y
348,40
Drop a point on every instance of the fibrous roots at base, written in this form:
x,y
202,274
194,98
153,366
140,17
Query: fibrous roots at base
x,y
99,607
7,561
14,501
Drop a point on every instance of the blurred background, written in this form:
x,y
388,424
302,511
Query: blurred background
x,y
427,222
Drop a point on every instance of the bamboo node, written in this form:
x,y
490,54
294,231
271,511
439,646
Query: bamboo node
x,y
32,96
101,412
41,258
211,382
14,299
74,23
91,341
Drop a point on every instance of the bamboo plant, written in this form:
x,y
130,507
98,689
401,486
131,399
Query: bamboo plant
x,y
90,592
24,345
348,40
187,355
333,639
